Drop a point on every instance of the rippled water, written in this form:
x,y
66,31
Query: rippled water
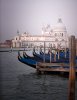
x,y
21,82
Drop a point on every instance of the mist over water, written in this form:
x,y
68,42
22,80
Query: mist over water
x,y
21,82
31,15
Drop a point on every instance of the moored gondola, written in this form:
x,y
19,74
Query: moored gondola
x,y
61,54
47,58
33,62
25,55
30,62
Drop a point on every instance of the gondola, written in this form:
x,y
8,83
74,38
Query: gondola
x,y
41,52
25,55
35,57
61,54
40,56
26,61
31,62
47,58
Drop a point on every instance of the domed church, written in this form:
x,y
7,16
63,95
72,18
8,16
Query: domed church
x,y
56,37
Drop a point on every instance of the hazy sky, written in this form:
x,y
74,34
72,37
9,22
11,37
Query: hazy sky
x,y
31,15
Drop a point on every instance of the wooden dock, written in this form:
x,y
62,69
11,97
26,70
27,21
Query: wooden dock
x,y
50,67
60,67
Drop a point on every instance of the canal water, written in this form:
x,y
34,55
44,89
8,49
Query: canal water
x,y
21,82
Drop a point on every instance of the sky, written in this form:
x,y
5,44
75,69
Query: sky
x,y
30,15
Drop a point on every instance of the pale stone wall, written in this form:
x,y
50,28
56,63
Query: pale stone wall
x,y
56,36
76,46
53,40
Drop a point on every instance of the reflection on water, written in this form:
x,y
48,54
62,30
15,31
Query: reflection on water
x,y
41,87
21,82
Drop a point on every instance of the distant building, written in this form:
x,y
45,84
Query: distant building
x,y
56,37
7,43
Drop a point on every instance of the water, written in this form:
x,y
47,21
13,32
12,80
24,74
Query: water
x,y
21,82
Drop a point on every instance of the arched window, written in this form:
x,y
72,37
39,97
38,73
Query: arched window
x,y
62,34
16,38
56,40
55,34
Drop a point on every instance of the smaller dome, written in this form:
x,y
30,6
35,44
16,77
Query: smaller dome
x,y
59,26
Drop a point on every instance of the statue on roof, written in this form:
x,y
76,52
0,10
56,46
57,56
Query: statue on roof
x,y
59,20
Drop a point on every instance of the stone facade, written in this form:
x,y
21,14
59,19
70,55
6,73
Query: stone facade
x,y
56,37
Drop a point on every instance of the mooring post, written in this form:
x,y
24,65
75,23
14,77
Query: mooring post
x,y
55,55
50,54
65,49
58,54
76,46
65,52
44,52
34,49
72,47
40,49
50,57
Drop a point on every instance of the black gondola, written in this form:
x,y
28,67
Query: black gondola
x,y
25,55
32,62
47,58
27,61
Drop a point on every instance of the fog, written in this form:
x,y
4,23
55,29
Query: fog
x,y
31,15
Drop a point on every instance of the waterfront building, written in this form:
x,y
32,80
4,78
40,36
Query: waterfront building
x,y
56,37
6,44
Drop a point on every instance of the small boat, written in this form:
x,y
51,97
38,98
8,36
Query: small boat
x,y
47,58
61,54
27,61
33,62
40,56
25,55
41,52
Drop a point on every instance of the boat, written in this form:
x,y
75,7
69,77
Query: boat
x,y
33,62
30,62
40,56
47,58
25,55
61,54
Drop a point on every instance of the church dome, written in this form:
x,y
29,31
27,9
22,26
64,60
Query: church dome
x,y
59,27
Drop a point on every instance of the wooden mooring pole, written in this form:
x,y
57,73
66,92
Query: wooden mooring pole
x,y
50,54
76,46
72,47
44,53
55,56
58,54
